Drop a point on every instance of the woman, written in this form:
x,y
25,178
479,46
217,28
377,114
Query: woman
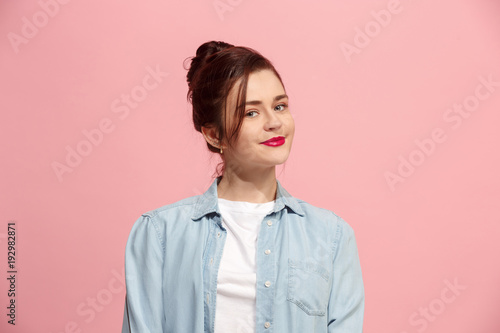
x,y
245,256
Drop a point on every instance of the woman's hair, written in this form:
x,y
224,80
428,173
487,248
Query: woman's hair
x,y
212,74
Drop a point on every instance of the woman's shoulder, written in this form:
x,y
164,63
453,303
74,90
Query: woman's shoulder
x,y
315,210
185,205
317,213
163,219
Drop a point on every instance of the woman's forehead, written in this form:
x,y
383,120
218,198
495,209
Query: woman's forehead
x,y
261,86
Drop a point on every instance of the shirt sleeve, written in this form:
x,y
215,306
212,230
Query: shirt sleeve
x,y
347,297
144,255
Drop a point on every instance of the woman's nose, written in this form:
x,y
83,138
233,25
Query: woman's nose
x,y
273,120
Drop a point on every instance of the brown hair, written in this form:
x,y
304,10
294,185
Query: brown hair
x,y
212,74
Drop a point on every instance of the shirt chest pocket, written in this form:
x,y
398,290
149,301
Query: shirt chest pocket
x,y
308,286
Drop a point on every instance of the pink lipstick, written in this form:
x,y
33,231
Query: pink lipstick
x,y
274,142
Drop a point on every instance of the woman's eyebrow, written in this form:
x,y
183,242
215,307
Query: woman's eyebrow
x,y
277,98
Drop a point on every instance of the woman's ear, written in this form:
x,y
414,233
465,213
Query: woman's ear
x,y
209,133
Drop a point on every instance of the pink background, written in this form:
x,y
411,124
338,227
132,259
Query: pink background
x,y
362,93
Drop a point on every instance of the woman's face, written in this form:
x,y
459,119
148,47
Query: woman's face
x,y
266,116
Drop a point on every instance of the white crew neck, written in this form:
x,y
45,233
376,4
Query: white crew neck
x,y
244,206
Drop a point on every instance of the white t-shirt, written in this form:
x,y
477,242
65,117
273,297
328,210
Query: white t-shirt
x,y
235,310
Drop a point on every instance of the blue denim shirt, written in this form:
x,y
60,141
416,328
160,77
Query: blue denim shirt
x,y
309,255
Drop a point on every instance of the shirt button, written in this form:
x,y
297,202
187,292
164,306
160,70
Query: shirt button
x,y
267,251
269,223
218,234
267,284
267,324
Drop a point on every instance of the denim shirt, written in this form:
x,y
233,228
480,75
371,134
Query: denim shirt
x,y
308,270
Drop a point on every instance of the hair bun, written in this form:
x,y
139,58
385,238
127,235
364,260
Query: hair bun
x,y
202,54
207,49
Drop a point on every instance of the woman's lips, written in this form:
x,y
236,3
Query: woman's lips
x,y
274,142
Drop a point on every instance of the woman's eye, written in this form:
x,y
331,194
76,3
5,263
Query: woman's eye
x,y
248,113
281,107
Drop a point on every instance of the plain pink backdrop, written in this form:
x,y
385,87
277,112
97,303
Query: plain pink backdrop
x,y
367,92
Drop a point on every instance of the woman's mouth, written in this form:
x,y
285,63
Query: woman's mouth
x,y
274,142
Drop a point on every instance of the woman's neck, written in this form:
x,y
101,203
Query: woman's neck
x,y
259,187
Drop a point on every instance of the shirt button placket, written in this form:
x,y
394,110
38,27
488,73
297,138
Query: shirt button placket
x,y
269,264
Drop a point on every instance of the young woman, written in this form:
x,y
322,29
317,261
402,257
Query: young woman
x,y
245,256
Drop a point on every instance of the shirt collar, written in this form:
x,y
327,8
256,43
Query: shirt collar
x,y
208,202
